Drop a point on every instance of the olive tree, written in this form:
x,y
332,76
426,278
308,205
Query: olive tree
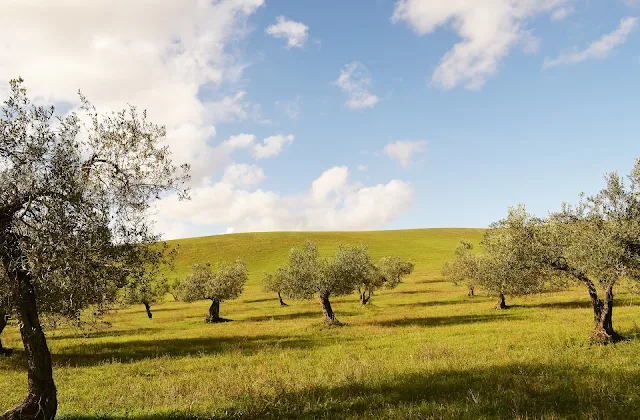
x,y
147,284
309,275
462,269
276,282
597,243
225,283
388,274
75,193
514,258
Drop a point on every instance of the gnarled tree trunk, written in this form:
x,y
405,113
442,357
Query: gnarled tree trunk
x,y
364,298
471,292
603,331
214,313
3,324
501,302
329,316
281,301
148,308
41,400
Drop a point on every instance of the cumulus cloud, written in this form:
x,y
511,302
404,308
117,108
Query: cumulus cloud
x,y
243,175
271,146
153,54
404,150
296,33
355,81
331,203
598,49
489,29
234,108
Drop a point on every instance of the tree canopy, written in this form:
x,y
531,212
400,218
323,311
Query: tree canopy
x,y
224,283
388,274
462,269
74,201
307,275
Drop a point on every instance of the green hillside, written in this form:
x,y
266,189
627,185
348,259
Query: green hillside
x,y
427,248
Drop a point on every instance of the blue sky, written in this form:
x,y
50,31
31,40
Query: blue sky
x,y
502,102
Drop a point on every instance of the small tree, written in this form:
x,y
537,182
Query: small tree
x,y
388,274
461,270
225,283
513,261
275,283
148,292
147,283
309,275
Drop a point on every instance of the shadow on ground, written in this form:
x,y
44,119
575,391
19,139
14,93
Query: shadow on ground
x,y
90,353
512,391
441,321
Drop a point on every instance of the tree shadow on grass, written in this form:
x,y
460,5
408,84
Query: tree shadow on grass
x,y
281,317
574,304
96,354
269,299
106,332
433,303
510,391
441,321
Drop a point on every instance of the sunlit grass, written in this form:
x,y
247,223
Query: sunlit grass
x,y
423,350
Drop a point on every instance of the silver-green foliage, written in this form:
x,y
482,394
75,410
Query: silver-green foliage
x,y
225,282
75,193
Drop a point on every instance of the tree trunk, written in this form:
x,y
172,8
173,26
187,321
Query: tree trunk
x,y
501,302
214,313
329,316
41,401
603,331
3,324
148,308
281,301
471,292
364,298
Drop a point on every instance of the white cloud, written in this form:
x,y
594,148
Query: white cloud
x,y
243,175
296,33
332,180
599,49
271,146
240,141
489,29
153,54
332,203
355,80
291,108
234,108
561,13
404,150
362,168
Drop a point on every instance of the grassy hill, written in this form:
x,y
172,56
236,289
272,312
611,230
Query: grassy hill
x,y
423,350
427,248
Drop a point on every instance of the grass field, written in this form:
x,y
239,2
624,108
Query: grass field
x,y
423,350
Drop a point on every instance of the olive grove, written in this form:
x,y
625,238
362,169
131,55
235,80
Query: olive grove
x,y
307,275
